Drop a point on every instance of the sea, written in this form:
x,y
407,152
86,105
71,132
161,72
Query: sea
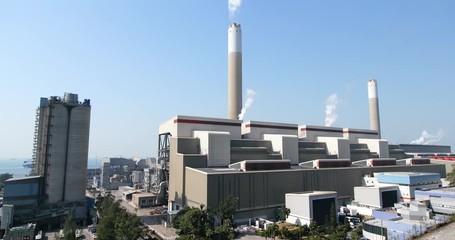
x,y
16,167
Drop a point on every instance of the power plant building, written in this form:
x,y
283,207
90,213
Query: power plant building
x,y
59,157
260,162
211,159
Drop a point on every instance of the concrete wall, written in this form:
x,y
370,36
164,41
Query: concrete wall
x,y
177,164
337,146
370,196
300,207
265,190
143,200
217,147
311,133
354,134
256,129
418,148
196,181
379,146
57,154
287,145
184,126
448,164
78,143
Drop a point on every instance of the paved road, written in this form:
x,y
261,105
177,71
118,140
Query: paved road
x,y
446,232
153,222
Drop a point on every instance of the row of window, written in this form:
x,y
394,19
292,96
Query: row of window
x,y
442,205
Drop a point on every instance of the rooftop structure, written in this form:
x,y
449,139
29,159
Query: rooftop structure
x,y
442,200
310,206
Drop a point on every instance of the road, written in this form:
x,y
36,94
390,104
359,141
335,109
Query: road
x,y
153,222
445,232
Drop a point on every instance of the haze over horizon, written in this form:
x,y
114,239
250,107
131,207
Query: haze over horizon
x,y
143,62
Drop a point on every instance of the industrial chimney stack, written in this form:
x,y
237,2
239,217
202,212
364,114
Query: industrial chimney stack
x,y
234,71
373,102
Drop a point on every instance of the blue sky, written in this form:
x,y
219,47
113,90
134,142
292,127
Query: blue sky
x,y
143,62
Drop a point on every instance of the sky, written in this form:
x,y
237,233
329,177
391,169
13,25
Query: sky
x,y
143,62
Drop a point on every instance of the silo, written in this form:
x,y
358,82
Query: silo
x,y
78,143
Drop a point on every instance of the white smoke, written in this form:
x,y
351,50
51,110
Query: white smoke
x,y
427,138
233,6
330,110
250,94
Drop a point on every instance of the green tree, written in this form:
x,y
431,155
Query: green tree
x,y
303,231
451,176
3,178
127,226
108,209
283,213
198,223
226,210
332,222
357,234
285,233
69,227
314,232
116,222
272,230
225,231
195,223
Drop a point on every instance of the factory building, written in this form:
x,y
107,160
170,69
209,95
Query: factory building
x,y
62,147
211,159
23,195
376,197
118,172
407,182
441,200
311,206
59,162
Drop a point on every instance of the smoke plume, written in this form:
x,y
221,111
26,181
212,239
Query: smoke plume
x,y
330,110
233,6
427,138
250,94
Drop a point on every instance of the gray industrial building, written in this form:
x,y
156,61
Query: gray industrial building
x,y
211,159
117,172
440,200
311,206
23,194
60,160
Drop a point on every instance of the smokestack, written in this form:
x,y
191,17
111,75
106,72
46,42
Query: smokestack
x,y
373,102
234,71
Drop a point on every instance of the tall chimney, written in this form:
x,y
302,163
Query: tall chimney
x,y
234,70
373,103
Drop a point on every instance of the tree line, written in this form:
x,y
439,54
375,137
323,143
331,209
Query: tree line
x,y
115,221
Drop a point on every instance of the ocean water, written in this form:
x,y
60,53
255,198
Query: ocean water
x,y
15,166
